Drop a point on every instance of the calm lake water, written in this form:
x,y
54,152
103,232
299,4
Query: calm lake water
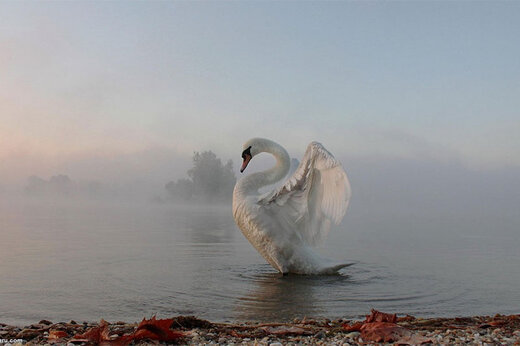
x,y
86,261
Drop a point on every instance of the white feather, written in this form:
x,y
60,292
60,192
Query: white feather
x,y
316,195
285,223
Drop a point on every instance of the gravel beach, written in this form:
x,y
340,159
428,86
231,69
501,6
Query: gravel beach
x,y
377,328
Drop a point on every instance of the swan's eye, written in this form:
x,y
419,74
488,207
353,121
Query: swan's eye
x,y
246,152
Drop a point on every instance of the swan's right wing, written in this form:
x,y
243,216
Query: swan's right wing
x,y
314,197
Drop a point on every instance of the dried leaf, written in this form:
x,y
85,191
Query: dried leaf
x,y
378,316
57,334
497,323
406,318
356,327
152,329
156,330
94,334
383,332
382,327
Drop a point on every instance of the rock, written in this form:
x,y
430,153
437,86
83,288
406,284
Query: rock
x,y
39,326
320,335
353,335
275,344
27,334
47,322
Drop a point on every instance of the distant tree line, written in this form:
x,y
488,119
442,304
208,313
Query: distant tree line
x,y
57,184
62,186
208,180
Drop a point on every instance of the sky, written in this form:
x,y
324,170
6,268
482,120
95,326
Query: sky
x,y
108,90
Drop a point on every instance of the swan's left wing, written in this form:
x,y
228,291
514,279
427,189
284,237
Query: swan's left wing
x,y
314,197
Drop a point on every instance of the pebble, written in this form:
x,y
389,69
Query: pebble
x,y
320,334
353,335
28,334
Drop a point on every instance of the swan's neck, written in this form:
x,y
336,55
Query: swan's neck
x,y
255,181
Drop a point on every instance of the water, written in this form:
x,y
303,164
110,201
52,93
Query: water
x,y
86,261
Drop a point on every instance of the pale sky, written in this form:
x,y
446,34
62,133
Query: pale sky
x,y
90,80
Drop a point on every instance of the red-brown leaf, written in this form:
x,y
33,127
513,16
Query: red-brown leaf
x,y
156,330
382,327
148,329
406,318
94,334
378,316
383,332
497,323
356,327
57,334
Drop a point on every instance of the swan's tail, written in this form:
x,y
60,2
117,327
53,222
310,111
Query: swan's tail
x,y
333,269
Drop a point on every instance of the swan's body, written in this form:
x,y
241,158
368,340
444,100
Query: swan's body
x,y
285,223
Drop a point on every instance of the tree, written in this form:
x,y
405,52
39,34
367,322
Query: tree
x,y
209,179
60,184
212,179
36,185
181,190
57,185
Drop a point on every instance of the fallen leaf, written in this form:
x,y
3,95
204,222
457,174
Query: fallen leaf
x,y
152,329
381,327
57,334
383,332
156,330
497,323
406,318
378,316
94,334
356,327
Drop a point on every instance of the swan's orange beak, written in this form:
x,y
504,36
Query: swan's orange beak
x,y
247,158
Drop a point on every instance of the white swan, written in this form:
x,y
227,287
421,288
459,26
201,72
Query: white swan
x,y
285,223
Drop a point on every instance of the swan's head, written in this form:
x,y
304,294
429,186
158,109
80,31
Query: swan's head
x,y
251,148
246,157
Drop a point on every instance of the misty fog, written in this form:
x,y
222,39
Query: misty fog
x,y
382,186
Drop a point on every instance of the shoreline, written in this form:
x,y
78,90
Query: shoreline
x,y
377,327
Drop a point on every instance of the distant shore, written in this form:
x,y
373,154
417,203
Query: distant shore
x,y
377,327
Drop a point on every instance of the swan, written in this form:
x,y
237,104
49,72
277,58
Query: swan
x,y
284,225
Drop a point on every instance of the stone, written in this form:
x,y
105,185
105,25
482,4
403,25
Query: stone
x,y
353,335
320,335
27,334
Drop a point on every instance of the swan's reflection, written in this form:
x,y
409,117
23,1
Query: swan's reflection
x,y
275,297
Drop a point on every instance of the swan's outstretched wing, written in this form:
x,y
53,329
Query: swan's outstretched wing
x,y
316,195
